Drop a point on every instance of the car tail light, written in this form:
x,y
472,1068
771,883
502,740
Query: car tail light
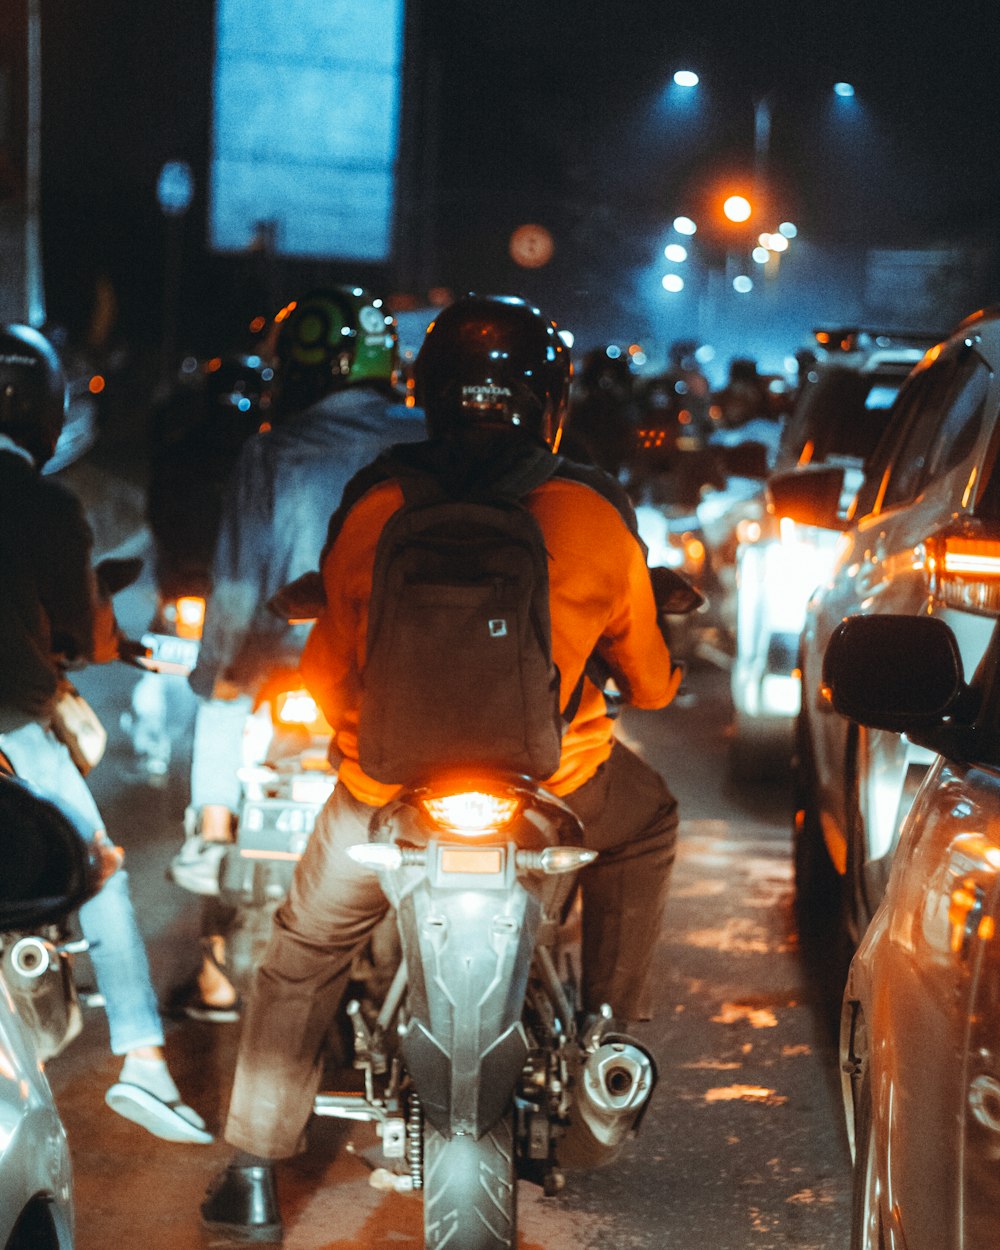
x,y
472,814
965,572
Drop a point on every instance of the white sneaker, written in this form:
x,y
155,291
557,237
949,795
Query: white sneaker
x,y
171,1121
197,865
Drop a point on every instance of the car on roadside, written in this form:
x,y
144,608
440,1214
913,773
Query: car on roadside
x,y
920,1020
839,416
920,537
48,871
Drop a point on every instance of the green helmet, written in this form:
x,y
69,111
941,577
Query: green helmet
x,y
335,337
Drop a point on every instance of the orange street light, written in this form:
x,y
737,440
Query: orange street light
x,y
737,209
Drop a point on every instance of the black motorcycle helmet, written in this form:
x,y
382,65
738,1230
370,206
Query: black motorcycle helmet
x,y
33,392
493,362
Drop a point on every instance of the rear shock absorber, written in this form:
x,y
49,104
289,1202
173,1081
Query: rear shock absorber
x,y
415,1140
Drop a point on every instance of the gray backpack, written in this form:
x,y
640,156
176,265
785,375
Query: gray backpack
x,y
458,670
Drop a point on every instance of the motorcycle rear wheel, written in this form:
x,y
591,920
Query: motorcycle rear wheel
x,y
470,1189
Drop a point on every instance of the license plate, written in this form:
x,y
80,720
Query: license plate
x,y
488,860
313,788
168,654
275,828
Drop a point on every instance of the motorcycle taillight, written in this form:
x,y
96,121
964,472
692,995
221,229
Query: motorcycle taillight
x,y
472,813
298,707
190,616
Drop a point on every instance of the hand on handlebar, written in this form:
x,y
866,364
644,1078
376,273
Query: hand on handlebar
x,y
132,652
677,674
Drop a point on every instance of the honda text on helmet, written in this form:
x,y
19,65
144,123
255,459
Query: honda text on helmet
x,y
494,362
33,392
333,338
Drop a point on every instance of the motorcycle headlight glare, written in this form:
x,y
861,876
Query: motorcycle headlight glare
x,y
472,814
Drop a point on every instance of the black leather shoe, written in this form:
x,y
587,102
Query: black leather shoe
x,y
242,1203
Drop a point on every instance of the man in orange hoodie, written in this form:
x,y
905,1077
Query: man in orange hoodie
x,y
493,379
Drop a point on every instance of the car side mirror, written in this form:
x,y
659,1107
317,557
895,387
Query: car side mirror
x,y
901,673
809,495
48,865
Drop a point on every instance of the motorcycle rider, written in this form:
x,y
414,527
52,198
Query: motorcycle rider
x,y
335,409
603,413
54,613
493,378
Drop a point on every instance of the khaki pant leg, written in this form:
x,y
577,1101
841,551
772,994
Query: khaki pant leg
x,y
332,906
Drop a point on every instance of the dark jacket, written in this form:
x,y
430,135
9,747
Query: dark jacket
x,y
50,608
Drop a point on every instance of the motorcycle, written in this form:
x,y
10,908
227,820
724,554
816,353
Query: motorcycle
x,y
170,652
36,953
49,870
479,1068
285,779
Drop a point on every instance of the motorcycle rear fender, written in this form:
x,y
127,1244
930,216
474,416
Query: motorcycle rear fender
x,y
468,953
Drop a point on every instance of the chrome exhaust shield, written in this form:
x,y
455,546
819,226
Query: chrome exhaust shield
x,y
612,1090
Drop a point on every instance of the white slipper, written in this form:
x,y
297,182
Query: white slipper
x,y
170,1121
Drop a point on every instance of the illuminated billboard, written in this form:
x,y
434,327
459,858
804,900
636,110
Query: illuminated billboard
x,y
305,126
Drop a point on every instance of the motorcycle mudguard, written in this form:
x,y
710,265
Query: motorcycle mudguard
x,y
468,949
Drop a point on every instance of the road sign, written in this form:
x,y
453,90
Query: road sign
x,y
175,188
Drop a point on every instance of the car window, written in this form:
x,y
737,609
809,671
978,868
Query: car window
x,y
927,407
842,415
909,402
960,428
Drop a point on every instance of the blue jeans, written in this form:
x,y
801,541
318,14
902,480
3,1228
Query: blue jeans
x,y
108,920
217,751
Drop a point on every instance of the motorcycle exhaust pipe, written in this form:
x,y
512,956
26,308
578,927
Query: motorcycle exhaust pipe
x,y
38,977
30,958
613,1089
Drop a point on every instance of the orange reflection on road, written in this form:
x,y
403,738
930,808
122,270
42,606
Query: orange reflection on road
x,y
745,1093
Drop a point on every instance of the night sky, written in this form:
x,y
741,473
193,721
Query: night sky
x,y
555,113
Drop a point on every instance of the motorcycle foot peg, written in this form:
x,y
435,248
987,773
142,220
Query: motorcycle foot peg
x,y
359,1027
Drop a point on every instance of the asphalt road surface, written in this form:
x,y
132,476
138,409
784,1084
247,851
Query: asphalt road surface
x,y
743,1146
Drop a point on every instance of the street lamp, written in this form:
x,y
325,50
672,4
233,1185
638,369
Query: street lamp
x,y
737,209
